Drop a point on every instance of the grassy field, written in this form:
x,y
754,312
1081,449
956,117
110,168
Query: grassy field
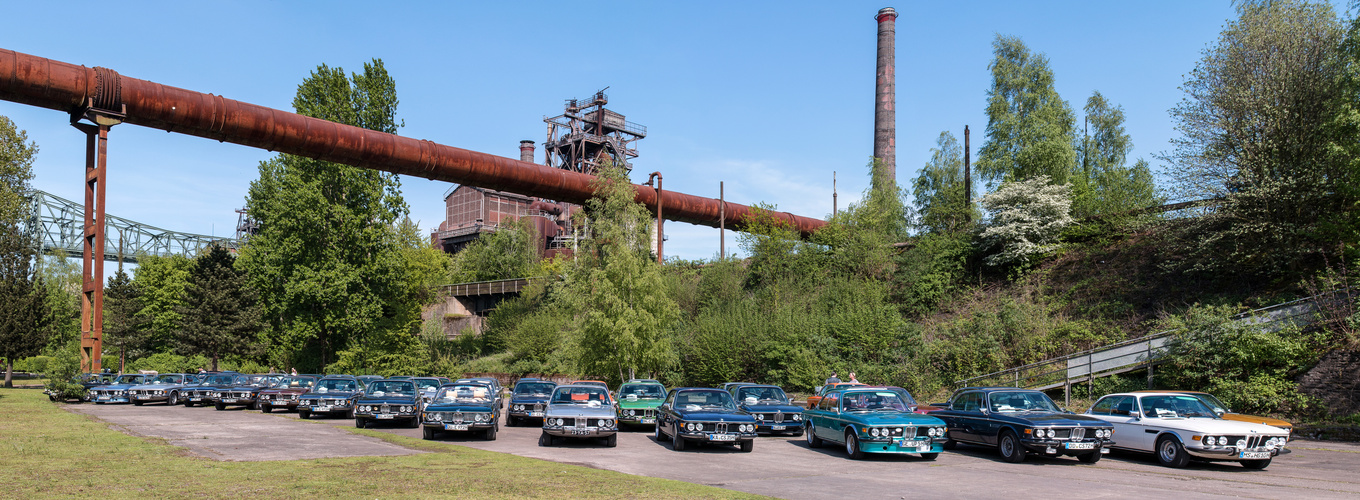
x,y
47,452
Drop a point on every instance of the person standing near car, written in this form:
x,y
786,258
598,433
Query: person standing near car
x,y
853,379
833,379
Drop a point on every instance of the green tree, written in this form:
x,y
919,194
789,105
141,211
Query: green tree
x,y
507,253
328,261
160,283
1106,183
24,326
1264,130
16,169
221,314
939,190
1029,127
124,326
616,288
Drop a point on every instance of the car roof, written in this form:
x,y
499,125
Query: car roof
x,y
582,386
643,381
996,388
1147,391
763,385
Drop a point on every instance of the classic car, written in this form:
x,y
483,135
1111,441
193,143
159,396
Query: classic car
x,y
165,387
704,414
201,393
117,392
528,400
491,381
243,391
330,395
285,393
462,408
366,379
823,389
427,386
1020,421
579,411
388,400
771,408
873,421
637,401
1178,428
1223,411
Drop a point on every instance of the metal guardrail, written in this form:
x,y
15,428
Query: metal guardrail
x,y
1129,355
486,287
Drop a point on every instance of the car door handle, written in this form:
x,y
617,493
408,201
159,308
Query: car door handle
x,y
1149,431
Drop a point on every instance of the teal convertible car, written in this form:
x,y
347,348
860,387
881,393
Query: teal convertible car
x,y
873,421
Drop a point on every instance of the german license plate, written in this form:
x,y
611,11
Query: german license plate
x,y
581,432
143,397
228,400
1079,446
455,427
384,415
722,437
280,403
649,420
1255,455
103,398
778,427
322,408
536,414
195,399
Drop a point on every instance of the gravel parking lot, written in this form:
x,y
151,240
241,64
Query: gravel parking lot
x,y
779,466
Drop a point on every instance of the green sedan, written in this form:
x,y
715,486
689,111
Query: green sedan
x,y
637,401
873,421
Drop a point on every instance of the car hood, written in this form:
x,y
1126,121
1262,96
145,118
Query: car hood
x,y
640,404
395,400
893,418
772,408
718,415
1253,419
241,388
524,400
603,411
330,395
1211,426
458,407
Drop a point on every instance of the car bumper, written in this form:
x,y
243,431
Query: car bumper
x,y
719,437
637,420
771,427
151,399
1234,454
455,427
382,417
525,413
235,401
902,446
281,403
1064,447
323,409
111,399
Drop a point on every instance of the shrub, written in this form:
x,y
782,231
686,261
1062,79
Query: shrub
x,y
1025,219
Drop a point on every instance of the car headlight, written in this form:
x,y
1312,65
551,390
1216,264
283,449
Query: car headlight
x,y
1209,441
873,432
560,422
797,416
1241,443
1051,433
609,423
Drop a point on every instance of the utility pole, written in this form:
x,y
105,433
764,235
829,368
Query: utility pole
x,y
722,224
833,193
967,179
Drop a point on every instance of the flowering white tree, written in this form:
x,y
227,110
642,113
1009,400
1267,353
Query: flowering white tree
x,y
1025,219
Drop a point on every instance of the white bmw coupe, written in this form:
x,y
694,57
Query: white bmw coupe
x,y
1178,428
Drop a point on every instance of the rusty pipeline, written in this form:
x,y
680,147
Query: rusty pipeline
x,y
71,88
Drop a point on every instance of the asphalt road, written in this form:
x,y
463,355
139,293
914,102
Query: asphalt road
x,y
786,467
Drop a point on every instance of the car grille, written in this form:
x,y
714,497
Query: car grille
x,y
456,417
538,406
385,408
332,402
1252,441
1077,433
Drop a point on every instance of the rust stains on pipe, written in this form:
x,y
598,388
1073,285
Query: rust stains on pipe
x,y
70,88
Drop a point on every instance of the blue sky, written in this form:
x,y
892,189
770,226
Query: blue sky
x,y
769,97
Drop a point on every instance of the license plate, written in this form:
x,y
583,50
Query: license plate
x,y
143,397
228,400
195,399
280,403
103,398
778,427
722,437
922,448
581,432
384,415
322,408
536,414
455,427
1079,446
1256,455
649,420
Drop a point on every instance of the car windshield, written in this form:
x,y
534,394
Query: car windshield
x,y
342,385
769,395
169,379
698,400
1012,401
590,395
392,388
1212,402
1175,407
539,389
872,401
464,394
293,383
129,379
218,380
427,383
642,391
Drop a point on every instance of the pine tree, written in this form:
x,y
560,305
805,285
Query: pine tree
x,y
221,314
124,327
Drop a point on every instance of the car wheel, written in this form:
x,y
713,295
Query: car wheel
x,y
1010,448
304,414
138,403
1256,464
174,399
658,435
266,409
930,456
429,433
220,406
358,423
510,421
612,440
415,422
852,445
747,446
950,444
545,439
677,442
1170,452
1090,458
490,434
812,440
188,404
